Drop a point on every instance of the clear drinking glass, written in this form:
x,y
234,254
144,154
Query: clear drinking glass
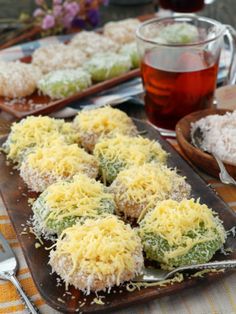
x,y
179,65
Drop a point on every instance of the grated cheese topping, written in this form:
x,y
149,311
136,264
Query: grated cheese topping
x,y
142,182
103,121
98,300
174,220
36,131
131,150
142,186
60,159
79,197
102,247
219,135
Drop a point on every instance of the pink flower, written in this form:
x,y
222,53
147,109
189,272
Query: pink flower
x,y
56,14
67,20
39,2
48,22
38,12
72,8
57,10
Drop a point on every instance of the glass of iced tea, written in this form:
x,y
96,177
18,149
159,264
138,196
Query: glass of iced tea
x,y
179,65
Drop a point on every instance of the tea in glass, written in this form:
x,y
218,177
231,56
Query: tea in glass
x,y
179,65
175,88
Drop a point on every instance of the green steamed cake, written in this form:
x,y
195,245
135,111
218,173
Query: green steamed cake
x,y
65,203
178,33
64,83
35,132
108,65
131,51
181,233
121,151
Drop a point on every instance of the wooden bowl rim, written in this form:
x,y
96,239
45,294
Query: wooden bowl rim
x,y
185,142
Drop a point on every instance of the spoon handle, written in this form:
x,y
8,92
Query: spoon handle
x,y
225,177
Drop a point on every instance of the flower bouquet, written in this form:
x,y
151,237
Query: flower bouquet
x,y
63,15
53,17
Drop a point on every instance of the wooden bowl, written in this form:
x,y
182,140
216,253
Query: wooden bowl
x,y
203,160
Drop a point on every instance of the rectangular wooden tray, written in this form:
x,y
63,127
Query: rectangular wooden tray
x,y
15,196
35,104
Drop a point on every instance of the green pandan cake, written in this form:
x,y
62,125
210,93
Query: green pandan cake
x,y
179,33
67,202
131,51
63,83
181,233
108,65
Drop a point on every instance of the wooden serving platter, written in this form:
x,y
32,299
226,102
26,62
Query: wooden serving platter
x,y
36,104
15,196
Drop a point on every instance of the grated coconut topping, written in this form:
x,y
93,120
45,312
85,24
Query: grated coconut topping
x,y
219,135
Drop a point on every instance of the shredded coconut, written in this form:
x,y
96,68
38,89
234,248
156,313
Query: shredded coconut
x,y
122,32
58,56
219,135
92,43
18,79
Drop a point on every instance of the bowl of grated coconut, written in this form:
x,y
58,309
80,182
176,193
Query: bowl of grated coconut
x,y
218,129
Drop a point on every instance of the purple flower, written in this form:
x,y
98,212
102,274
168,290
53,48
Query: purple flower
x,y
48,22
38,12
67,13
39,2
78,22
72,8
57,10
93,17
67,20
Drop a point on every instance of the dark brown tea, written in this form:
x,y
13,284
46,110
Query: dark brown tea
x,y
185,6
177,86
